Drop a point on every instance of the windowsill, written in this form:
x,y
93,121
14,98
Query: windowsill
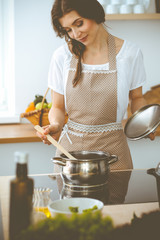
x,y
18,133
9,119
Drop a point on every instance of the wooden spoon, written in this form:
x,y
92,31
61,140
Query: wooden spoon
x,y
54,142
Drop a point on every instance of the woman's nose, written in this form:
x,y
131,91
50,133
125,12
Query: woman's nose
x,y
76,33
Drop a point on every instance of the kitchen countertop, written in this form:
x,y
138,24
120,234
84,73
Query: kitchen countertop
x,y
25,132
138,195
17,133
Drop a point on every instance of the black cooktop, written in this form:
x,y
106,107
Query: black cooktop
x,y
123,187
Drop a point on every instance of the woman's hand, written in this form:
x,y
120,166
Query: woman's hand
x,y
54,130
151,136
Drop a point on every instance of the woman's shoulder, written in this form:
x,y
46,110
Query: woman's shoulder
x,y
129,49
61,57
62,52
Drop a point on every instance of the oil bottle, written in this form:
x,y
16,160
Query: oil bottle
x,y
21,192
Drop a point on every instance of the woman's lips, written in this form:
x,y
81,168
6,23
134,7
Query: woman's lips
x,y
83,39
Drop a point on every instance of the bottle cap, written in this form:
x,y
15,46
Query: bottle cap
x,y
21,157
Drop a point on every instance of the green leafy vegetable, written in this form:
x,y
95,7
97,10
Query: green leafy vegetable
x,y
73,209
91,209
38,98
92,226
85,226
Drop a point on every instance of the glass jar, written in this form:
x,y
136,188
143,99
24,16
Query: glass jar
x,y
41,200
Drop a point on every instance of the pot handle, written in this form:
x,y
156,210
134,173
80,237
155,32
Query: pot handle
x,y
113,159
59,161
151,171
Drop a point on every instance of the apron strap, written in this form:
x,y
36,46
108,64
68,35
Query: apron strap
x,y
112,52
74,62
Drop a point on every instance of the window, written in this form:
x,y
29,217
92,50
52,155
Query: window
x,y
7,86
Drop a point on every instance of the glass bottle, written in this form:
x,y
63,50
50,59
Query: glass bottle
x,y
21,192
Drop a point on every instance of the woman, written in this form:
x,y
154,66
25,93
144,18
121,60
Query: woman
x,y
92,77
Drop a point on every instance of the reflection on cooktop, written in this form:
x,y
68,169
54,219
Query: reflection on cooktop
x,y
138,187
134,186
142,187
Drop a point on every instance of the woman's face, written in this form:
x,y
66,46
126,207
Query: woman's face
x,y
81,29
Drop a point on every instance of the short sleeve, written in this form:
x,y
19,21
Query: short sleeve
x,y
138,72
55,75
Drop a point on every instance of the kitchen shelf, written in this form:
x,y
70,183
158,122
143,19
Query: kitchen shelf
x,y
146,16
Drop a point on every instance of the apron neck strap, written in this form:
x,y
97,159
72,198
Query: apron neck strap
x,y
111,54
74,61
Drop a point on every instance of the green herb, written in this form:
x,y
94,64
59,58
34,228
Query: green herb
x,y
85,226
92,226
91,209
73,209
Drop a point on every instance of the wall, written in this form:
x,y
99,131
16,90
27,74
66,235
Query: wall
x,y
39,157
35,42
146,34
145,155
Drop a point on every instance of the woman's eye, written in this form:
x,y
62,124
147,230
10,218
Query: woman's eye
x,y
79,24
68,30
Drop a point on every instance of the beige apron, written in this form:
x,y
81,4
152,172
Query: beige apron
x,y
92,112
93,104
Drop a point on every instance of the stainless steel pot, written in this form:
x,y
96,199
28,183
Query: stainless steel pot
x,y
101,193
89,169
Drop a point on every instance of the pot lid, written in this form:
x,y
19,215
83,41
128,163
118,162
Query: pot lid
x,y
143,122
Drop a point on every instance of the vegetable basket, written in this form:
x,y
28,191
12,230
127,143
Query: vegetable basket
x,y
38,117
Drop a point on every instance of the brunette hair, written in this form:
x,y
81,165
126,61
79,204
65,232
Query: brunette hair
x,y
90,9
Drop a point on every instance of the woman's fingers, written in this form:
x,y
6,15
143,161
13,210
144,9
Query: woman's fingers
x,y
42,136
152,135
51,130
46,142
39,134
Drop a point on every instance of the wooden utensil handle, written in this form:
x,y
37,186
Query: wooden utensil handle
x,y
54,142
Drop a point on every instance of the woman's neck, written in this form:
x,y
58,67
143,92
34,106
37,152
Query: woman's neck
x,y
96,53
99,42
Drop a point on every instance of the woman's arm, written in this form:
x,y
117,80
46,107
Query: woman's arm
x,y
57,111
137,101
56,118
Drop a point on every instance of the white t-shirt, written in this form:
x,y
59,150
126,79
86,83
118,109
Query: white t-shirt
x,y
130,73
